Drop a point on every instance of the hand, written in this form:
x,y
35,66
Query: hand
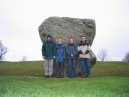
x,y
87,51
72,55
54,57
80,52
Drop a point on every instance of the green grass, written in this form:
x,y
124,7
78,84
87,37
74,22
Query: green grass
x,y
24,79
27,86
111,69
32,68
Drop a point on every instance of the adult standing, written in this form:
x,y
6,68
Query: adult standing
x,y
60,57
72,52
84,55
48,52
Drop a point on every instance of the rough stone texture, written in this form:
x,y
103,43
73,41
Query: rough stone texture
x,y
68,27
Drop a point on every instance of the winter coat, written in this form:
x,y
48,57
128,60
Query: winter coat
x,y
84,50
48,49
60,52
71,51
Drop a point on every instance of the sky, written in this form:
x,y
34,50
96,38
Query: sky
x,y
20,19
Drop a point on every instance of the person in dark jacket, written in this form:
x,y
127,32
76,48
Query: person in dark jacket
x,y
60,57
72,52
48,52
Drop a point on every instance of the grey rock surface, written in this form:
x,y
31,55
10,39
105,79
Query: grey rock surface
x,y
67,27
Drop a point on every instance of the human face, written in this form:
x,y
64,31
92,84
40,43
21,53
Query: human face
x,y
71,41
49,38
59,40
83,39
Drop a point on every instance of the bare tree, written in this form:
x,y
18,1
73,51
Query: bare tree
x,y
3,51
24,58
102,54
127,57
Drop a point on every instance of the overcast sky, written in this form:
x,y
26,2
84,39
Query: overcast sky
x,y
20,19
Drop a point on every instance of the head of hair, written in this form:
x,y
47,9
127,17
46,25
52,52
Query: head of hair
x,y
72,39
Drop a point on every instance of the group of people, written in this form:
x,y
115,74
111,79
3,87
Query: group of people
x,y
59,52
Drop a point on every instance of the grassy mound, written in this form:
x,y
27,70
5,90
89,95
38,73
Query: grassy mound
x,y
24,79
35,68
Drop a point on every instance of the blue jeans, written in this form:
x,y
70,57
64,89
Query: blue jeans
x,y
85,66
71,67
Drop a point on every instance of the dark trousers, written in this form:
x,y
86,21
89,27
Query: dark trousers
x,y
54,68
85,65
72,67
60,69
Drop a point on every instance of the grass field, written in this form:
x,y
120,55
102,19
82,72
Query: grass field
x,y
24,79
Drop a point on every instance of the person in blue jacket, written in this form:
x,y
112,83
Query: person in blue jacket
x,y
72,52
60,57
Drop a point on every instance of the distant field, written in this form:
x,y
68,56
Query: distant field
x,y
24,79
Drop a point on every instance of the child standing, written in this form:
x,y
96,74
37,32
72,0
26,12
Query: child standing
x,y
60,57
71,51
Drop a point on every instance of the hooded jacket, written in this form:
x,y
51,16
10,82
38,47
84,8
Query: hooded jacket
x,y
48,49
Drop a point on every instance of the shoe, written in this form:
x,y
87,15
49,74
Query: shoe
x,y
82,76
87,76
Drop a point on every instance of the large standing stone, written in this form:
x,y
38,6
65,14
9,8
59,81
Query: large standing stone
x,y
68,27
